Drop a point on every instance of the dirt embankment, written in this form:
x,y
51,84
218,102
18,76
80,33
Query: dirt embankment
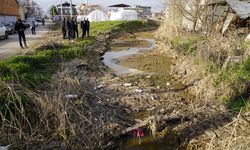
x,y
219,126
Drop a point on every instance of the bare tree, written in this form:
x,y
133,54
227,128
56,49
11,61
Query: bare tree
x,y
192,10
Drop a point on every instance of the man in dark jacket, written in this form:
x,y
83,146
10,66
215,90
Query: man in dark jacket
x,y
69,28
64,32
87,26
83,27
72,24
76,28
19,27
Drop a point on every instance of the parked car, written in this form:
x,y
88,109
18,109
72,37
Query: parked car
x,y
32,20
26,24
38,19
10,27
3,31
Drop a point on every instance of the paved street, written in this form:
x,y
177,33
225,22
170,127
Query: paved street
x,y
10,47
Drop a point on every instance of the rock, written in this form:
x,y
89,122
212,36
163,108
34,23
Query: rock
x,y
71,96
158,87
148,77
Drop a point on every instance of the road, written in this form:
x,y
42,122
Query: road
x,y
10,47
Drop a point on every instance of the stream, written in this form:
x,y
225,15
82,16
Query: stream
x,y
127,47
111,57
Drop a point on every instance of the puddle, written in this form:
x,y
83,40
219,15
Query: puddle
x,y
111,58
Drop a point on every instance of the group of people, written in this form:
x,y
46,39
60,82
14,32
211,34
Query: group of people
x,y
70,28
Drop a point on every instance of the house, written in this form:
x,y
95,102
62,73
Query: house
x,y
66,9
229,14
9,10
85,9
117,7
144,12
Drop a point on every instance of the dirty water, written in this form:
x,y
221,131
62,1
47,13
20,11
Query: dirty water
x,y
110,59
139,58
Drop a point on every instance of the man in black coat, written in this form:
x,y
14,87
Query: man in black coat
x,y
87,26
64,32
83,27
19,27
76,28
69,28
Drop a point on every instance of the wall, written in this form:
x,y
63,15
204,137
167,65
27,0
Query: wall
x,y
9,10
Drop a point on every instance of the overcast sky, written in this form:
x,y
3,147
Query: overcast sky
x,y
156,5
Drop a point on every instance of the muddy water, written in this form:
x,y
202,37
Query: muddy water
x,y
134,54
111,57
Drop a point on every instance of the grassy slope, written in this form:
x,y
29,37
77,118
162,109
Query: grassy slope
x,y
235,76
34,70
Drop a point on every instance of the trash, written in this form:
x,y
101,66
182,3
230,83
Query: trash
x,y
138,133
148,77
248,38
98,87
158,87
127,84
71,96
4,147
167,84
162,111
139,90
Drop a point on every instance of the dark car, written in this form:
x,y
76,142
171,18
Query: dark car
x,y
38,19
26,24
10,27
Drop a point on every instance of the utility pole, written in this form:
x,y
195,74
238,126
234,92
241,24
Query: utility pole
x,y
61,10
71,10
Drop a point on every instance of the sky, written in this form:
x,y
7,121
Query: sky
x,y
156,5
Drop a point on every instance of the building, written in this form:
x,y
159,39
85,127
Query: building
x,y
85,9
144,12
227,14
117,7
66,9
9,10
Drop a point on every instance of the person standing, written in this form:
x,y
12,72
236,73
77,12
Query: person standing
x,y
64,32
72,24
87,26
68,28
83,27
76,28
33,27
19,27
43,21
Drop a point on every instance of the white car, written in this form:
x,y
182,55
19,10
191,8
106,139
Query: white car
x,y
3,31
